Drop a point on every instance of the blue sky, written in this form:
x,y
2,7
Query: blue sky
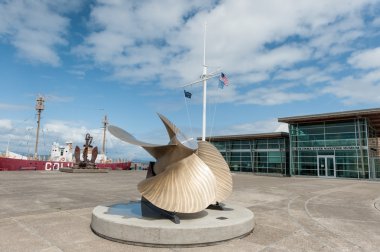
x,y
129,59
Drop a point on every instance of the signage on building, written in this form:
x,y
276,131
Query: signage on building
x,y
328,148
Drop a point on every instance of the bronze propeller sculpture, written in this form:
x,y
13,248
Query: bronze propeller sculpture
x,y
187,179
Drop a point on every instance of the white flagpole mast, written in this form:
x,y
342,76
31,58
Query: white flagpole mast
x,y
204,79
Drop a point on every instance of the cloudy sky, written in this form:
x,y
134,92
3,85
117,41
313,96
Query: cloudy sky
x,y
130,59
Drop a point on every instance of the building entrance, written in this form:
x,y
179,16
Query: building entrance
x,y
326,166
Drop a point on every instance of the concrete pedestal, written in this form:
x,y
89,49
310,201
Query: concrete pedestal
x,y
125,224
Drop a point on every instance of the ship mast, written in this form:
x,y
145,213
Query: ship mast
x,y
39,107
204,77
105,123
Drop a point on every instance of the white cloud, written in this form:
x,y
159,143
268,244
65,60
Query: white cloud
x,y
361,87
283,56
22,138
356,90
335,67
273,96
58,98
217,95
35,28
252,40
140,41
336,37
5,124
7,106
141,47
296,74
16,134
376,21
305,76
264,126
275,52
248,78
366,59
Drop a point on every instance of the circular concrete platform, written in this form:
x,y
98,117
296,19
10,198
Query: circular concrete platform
x,y
124,223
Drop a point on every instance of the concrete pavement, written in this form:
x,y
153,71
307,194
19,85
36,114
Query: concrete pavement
x,y
51,211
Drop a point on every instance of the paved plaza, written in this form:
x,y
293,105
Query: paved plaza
x,y
51,212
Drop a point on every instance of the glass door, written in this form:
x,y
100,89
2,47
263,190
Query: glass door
x,y
326,166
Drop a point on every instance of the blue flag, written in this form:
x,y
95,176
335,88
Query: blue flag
x,y
187,94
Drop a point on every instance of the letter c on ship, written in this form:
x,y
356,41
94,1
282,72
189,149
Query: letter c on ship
x,y
48,166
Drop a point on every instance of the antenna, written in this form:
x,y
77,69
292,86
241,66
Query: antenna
x,y
39,107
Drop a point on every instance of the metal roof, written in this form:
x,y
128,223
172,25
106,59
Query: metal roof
x,y
248,136
372,114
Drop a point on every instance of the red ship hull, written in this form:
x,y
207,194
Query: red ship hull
x,y
12,164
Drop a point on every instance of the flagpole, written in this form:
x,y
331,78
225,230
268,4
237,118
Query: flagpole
x,y
204,78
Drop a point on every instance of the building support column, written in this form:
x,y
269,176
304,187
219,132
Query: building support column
x,y
361,146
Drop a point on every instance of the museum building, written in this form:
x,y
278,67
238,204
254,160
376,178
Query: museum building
x,y
258,153
341,144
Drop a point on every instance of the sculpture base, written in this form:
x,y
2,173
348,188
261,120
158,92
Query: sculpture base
x,y
75,170
125,223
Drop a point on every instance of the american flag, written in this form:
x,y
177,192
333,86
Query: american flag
x,y
223,79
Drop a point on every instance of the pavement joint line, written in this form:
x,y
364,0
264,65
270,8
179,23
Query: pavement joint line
x,y
332,204
375,204
27,215
291,216
323,226
282,229
46,249
302,227
32,232
274,227
341,219
5,190
273,245
277,249
33,214
77,215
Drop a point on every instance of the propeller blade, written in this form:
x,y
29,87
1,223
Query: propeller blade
x,y
126,137
187,186
215,161
155,150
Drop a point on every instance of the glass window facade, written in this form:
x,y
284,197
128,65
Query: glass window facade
x,y
345,146
265,155
333,149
